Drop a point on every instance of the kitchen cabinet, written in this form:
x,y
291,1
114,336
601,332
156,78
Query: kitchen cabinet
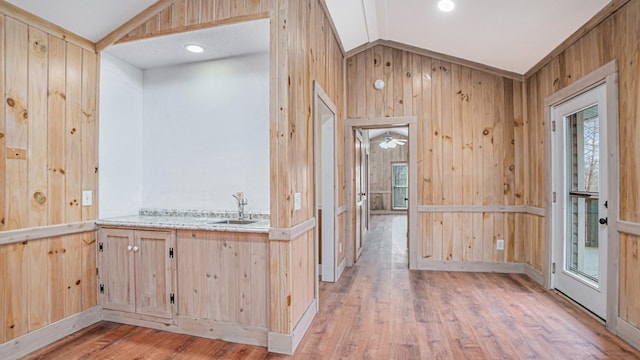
x,y
137,272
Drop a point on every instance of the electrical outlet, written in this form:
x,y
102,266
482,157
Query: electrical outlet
x,y
87,198
500,244
297,201
340,248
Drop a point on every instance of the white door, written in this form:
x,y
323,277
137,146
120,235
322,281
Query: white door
x,y
580,193
359,193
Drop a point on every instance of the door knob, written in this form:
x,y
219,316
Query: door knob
x,y
129,247
135,248
603,221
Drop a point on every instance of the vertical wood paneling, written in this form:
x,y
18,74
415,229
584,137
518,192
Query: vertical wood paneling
x,y
42,281
466,145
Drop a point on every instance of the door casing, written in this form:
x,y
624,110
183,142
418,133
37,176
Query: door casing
x,y
415,246
606,75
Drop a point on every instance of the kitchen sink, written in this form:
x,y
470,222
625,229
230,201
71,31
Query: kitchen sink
x,y
236,222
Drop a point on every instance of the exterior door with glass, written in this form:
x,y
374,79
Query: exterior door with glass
x,y
580,193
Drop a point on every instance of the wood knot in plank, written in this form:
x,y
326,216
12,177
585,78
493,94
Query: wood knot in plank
x,y
512,167
388,63
1,135
486,132
39,47
39,197
2,221
408,74
73,131
376,60
77,282
11,102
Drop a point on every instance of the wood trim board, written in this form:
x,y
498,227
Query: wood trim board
x,y
288,234
288,343
471,266
49,334
43,232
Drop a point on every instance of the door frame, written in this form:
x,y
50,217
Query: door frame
x,y
319,96
412,213
606,75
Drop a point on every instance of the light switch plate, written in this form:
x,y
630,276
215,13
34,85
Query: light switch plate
x,y
500,244
87,198
297,201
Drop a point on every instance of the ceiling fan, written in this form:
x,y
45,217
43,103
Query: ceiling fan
x,y
390,142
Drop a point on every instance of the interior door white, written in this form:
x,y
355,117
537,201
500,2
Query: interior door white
x,y
580,168
359,194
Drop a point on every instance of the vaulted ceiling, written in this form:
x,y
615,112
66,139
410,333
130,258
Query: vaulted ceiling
x,y
512,35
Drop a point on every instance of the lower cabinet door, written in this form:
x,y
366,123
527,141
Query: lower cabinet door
x,y
154,261
117,287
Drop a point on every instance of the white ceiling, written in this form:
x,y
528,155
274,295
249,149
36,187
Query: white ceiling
x,y
219,42
508,34
512,35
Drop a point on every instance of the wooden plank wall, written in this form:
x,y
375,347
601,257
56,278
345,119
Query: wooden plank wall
x,y
48,155
617,37
303,49
469,126
314,55
380,171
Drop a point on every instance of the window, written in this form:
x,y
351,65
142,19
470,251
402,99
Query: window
x,y
399,185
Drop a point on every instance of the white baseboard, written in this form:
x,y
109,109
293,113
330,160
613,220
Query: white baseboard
x,y
471,266
25,344
288,343
535,274
628,333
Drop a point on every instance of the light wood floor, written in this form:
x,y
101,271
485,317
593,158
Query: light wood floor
x,y
381,310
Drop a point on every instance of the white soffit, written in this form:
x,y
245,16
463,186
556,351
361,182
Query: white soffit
x,y
512,35
91,19
220,42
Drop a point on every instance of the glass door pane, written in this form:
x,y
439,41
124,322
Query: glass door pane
x,y
582,161
400,186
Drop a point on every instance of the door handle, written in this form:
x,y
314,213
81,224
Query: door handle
x,y
135,248
129,247
603,221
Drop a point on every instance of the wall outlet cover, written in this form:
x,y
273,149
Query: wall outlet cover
x,y
87,198
297,201
500,244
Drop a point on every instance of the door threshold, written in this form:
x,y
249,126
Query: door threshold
x,y
580,307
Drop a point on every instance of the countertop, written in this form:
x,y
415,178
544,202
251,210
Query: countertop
x,y
189,220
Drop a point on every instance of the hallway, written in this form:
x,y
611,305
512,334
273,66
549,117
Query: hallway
x,y
381,310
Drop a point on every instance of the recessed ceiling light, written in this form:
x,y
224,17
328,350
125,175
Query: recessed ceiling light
x,y
446,5
197,49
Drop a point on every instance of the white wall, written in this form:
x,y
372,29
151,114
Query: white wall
x,y
206,134
121,114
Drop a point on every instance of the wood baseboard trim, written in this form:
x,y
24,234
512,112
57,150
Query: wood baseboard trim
x,y
43,232
288,343
628,333
23,345
535,274
288,234
206,328
471,266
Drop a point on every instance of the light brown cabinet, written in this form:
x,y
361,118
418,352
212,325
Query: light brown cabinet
x,y
137,273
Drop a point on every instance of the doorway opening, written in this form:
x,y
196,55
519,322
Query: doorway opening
x,y
325,186
381,168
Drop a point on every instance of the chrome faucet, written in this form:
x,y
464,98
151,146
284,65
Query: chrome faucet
x,y
242,202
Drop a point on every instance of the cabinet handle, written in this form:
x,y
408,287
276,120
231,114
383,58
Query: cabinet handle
x,y
135,248
129,247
